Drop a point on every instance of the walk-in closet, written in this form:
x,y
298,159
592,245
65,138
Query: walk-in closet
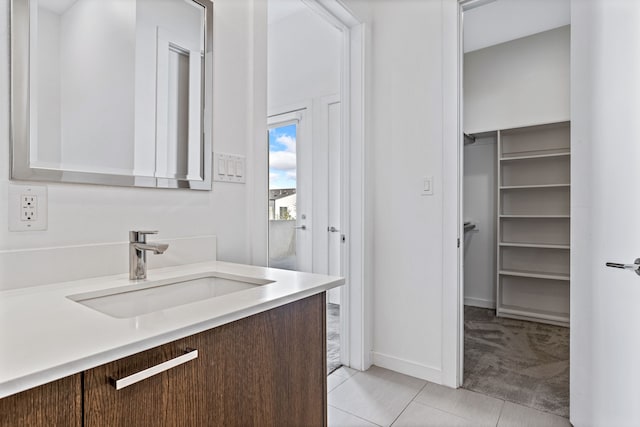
x,y
516,204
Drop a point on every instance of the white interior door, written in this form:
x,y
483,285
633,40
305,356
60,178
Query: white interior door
x,y
334,170
605,315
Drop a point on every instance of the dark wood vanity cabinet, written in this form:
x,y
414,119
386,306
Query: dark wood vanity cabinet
x,y
58,403
268,369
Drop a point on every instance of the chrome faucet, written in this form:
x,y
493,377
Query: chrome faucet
x,y
138,248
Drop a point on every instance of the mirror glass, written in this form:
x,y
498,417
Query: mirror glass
x,y
117,91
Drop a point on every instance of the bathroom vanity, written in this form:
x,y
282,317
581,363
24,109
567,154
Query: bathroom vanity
x,y
252,357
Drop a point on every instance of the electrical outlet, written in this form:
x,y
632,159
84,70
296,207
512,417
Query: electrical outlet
x,y
27,208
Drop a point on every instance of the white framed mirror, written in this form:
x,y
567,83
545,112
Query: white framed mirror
x,y
113,92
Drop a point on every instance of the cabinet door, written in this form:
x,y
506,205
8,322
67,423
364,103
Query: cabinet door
x,y
273,367
167,398
267,369
54,404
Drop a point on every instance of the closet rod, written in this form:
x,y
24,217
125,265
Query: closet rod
x,y
469,139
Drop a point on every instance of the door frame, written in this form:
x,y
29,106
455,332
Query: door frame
x,y
355,295
453,167
355,314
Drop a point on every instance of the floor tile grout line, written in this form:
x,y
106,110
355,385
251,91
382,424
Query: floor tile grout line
x,y
500,414
443,410
457,415
341,384
357,416
339,374
409,402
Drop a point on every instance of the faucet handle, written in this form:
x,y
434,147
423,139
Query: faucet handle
x,y
139,235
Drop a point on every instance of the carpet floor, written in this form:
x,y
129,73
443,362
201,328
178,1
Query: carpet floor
x,y
333,337
518,361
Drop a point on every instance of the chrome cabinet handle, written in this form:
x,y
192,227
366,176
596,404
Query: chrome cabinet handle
x,y
333,229
300,227
633,267
154,370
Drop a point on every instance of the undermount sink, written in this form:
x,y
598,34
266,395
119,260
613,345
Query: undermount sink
x,y
147,297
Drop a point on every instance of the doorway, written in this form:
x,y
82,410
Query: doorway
x,y
515,203
306,185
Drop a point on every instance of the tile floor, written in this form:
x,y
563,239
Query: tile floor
x,y
379,397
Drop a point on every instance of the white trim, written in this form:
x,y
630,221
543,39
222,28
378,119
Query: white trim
x,y
452,277
279,120
358,224
479,302
290,108
407,367
472,4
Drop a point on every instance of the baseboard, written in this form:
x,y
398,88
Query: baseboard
x,y
40,266
407,367
479,302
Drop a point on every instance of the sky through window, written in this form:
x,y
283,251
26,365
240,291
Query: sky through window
x,y
282,157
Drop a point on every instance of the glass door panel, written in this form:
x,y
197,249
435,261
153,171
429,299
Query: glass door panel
x,y
283,188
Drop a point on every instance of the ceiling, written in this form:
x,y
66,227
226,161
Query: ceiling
x,y
279,9
57,6
504,20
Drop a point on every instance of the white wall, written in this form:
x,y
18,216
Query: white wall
x,y
94,215
480,208
304,59
518,83
404,143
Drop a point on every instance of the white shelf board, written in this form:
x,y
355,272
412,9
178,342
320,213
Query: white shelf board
x,y
534,245
534,274
535,156
563,121
522,313
535,216
527,187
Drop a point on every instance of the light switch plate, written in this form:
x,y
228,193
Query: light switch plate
x,y
427,186
28,207
229,168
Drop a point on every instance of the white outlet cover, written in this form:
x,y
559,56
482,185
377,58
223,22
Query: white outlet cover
x,y
16,192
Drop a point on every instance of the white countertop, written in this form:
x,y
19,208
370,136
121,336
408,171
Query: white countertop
x,y
44,336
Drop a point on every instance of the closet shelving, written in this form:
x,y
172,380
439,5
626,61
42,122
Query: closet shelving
x,y
533,223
